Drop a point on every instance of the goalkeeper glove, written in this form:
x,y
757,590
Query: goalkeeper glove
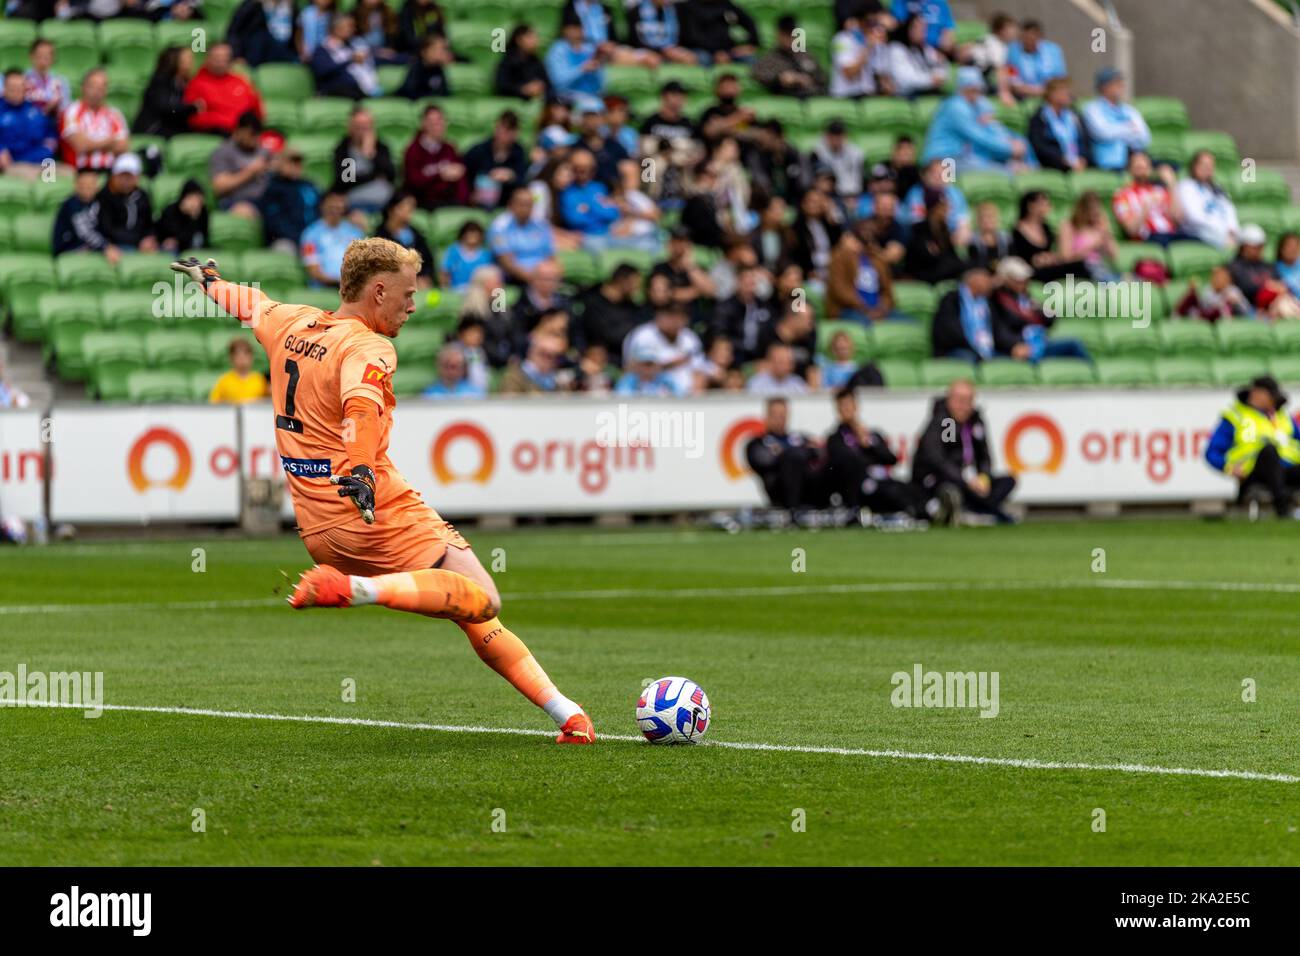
x,y
203,273
360,487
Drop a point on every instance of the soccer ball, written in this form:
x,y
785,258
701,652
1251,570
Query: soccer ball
x,y
673,710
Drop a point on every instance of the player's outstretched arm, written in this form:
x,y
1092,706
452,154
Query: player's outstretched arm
x,y
244,302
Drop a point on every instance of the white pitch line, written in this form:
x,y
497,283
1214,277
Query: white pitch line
x,y
1023,764
605,594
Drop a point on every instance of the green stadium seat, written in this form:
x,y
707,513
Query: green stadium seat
x,y
579,268
158,385
418,343
327,299
29,270
443,224
629,81
284,115
1163,113
111,357
942,372
1291,218
1269,186
1188,337
34,232
1182,370
1087,331
66,349
47,197
1194,259
128,306
391,78
1124,371
899,373
188,154
1221,144
84,270
234,232
886,114
127,40
1167,145
1268,217
470,79
642,260
15,196
1286,336
18,31
76,45
326,113
1002,372
1065,372
1051,181
284,81
970,31
1285,368
696,79
993,187
1014,118
140,270
412,380
201,382
63,304
394,117
1245,337
173,348
1100,181
1238,370
917,299
1120,338
1128,254
898,340
923,110
273,270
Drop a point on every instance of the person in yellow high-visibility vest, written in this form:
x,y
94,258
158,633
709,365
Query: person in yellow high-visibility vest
x,y
1259,444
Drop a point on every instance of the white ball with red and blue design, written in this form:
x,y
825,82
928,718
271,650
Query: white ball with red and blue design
x,y
673,710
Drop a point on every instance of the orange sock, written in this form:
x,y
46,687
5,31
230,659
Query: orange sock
x,y
506,654
430,591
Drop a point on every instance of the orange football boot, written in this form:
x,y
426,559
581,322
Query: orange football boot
x,y
322,586
577,730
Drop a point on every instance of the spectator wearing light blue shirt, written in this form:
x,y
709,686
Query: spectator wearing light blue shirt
x,y
574,64
325,240
1032,61
518,243
644,377
940,27
1116,127
453,376
966,130
585,205
463,256
912,209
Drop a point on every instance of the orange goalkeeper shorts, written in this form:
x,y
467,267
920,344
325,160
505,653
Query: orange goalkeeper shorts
x,y
368,549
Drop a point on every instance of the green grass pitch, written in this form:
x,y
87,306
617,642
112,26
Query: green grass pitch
x,y
1142,664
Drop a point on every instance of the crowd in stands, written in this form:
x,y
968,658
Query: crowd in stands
x,y
740,244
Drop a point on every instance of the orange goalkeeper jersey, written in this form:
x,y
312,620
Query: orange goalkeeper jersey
x,y
318,362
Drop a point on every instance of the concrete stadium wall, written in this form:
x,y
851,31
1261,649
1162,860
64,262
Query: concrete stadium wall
x,y
1235,63
1247,50
1073,25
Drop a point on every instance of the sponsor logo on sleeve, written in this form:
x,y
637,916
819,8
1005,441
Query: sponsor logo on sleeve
x,y
306,467
374,375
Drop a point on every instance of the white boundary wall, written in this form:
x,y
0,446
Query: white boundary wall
x,y
126,464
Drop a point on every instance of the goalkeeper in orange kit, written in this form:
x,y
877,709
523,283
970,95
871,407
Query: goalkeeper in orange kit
x,y
373,538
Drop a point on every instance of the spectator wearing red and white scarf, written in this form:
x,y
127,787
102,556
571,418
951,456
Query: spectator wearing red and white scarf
x,y
1148,211
91,132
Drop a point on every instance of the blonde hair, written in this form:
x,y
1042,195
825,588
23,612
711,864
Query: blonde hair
x,y
367,258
